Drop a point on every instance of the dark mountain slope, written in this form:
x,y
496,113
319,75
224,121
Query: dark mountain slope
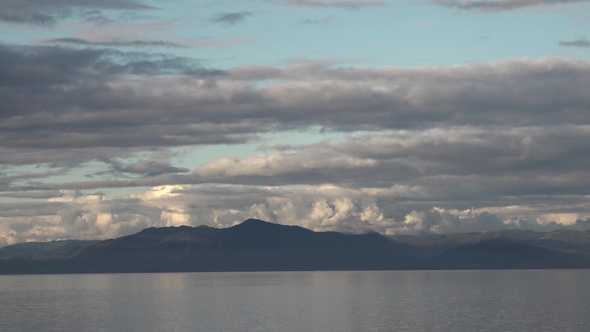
x,y
53,249
252,245
560,240
503,254
255,245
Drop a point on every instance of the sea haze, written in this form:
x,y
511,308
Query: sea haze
x,y
499,300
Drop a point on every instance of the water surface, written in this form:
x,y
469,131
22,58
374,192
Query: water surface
x,y
510,300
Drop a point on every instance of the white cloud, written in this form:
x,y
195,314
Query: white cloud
x,y
174,217
320,208
564,219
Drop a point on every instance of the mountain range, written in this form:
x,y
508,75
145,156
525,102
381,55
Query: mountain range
x,y
256,245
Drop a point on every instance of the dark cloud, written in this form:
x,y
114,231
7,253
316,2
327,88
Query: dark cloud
x,y
45,66
500,5
444,163
130,43
22,5
404,98
36,194
440,149
231,18
78,98
508,172
39,12
582,42
33,18
148,168
64,104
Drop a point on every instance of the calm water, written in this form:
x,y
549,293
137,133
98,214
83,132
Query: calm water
x,y
299,301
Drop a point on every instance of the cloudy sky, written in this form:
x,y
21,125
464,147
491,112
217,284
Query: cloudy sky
x,y
396,116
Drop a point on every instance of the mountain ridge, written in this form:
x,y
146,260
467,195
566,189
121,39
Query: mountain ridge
x,y
256,245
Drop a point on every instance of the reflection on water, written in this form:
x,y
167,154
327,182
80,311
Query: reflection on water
x,y
519,300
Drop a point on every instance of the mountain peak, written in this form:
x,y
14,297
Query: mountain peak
x,y
257,225
260,245
253,221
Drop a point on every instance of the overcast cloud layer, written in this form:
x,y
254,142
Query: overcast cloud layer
x,y
101,136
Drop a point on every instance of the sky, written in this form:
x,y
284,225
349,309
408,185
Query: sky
x,y
403,117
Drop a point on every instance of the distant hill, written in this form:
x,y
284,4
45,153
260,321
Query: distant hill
x,y
568,241
54,249
503,254
256,245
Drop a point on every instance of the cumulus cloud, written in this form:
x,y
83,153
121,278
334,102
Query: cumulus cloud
x,y
74,215
318,207
500,5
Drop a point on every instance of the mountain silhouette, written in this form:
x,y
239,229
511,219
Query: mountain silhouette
x,y
256,245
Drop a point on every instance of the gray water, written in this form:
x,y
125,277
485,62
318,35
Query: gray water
x,y
516,300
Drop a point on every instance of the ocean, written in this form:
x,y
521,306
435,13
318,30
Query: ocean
x,y
483,300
